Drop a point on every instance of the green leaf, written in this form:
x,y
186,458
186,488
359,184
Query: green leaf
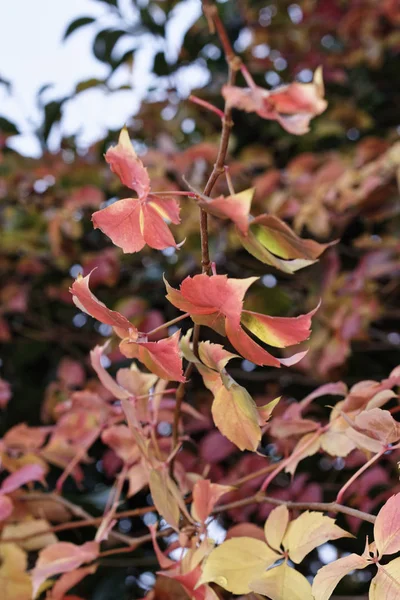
x,y
8,127
104,43
88,84
77,24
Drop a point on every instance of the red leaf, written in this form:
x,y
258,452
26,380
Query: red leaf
x,y
88,303
218,296
161,358
125,163
133,222
293,105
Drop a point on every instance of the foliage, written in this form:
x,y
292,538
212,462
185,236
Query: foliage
x,y
296,238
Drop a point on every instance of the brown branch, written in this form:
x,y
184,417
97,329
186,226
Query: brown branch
x,y
317,506
233,61
87,519
133,543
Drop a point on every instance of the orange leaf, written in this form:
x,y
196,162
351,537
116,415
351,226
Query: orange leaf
x,y
205,497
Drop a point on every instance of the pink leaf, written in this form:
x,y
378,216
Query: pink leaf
x,y
125,163
6,507
69,580
131,223
329,576
387,527
62,557
88,303
293,105
109,383
24,475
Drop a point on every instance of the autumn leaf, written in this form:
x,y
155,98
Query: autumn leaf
x,y
69,580
205,496
235,414
273,242
236,563
275,526
216,296
387,527
109,383
167,497
62,557
282,582
161,358
31,533
329,575
15,583
235,207
89,304
293,105
133,222
6,507
24,475
386,583
308,531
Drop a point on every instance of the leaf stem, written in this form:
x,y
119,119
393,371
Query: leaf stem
x,y
207,105
234,65
167,324
357,474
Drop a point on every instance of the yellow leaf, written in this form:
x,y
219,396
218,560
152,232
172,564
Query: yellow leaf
x,y
26,528
281,583
235,414
308,531
236,563
275,526
386,583
329,576
163,499
15,583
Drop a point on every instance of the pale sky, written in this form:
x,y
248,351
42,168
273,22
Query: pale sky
x,y
32,54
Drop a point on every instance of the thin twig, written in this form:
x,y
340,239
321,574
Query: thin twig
x,y
317,506
234,64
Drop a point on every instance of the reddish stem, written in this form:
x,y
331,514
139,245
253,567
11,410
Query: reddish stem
x,y
339,497
206,105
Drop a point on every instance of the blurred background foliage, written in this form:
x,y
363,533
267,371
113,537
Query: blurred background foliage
x,y
339,182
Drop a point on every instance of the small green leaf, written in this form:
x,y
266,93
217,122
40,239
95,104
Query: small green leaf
x,y
77,24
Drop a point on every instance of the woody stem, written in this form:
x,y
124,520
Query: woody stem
x,y
234,65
